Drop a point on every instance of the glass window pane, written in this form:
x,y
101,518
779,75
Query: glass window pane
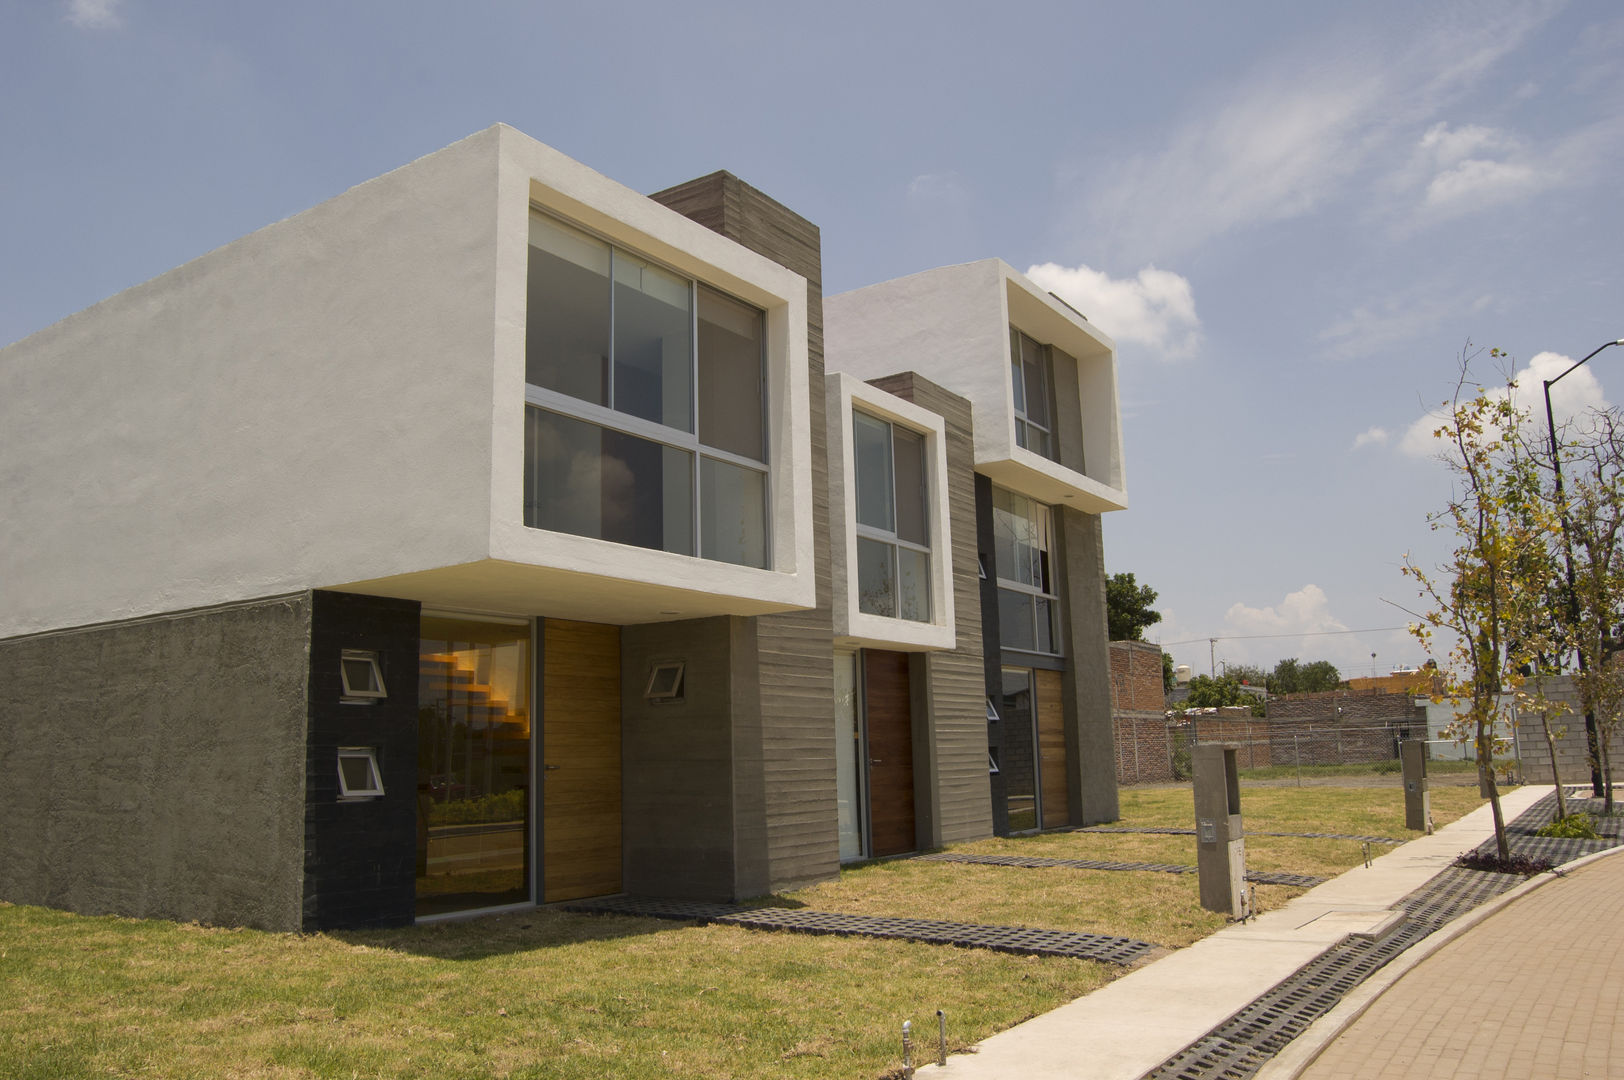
x,y
872,462
1015,761
732,336
1015,377
1015,620
909,448
1036,381
734,515
590,481
473,765
876,578
567,320
1045,626
913,585
653,343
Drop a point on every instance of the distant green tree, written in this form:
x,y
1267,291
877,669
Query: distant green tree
x,y
1168,678
1127,608
1209,693
1247,674
1293,677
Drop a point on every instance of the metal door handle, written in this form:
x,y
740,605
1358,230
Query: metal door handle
x,y
548,768
873,761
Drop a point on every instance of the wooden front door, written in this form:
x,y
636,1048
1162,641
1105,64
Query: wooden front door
x,y
580,779
889,721
1051,749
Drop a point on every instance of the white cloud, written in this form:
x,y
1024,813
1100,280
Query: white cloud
x,y
937,188
1301,128
1155,308
1305,611
1372,436
1577,393
94,14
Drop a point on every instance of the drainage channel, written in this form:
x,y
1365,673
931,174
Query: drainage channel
x,y
1022,940
1033,862
1240,1046
1175,831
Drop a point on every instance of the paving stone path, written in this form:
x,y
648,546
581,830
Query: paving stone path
x,y
1032,862
1010,939
1242,1045
1172,831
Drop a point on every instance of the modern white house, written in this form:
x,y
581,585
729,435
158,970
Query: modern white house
x,y
492,535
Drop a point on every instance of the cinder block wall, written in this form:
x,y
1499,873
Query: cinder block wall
x,y
166,766
786,831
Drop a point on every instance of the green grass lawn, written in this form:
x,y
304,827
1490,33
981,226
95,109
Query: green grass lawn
x,y
548,994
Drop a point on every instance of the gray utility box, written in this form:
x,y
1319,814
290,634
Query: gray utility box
x,y
1220,849
1417,799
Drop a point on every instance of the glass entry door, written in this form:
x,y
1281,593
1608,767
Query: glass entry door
x,y
473,765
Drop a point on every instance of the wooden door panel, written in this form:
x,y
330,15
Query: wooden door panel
x,y
580,779
888,715
1051,749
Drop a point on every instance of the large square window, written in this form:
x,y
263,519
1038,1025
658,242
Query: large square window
x,y
648,418
893,538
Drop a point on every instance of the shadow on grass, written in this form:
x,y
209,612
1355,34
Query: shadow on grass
x,y
514,932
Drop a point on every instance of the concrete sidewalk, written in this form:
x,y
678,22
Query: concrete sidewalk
x,y
1526,987
1132,1025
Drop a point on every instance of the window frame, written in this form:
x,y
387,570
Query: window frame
x,y
369,754
688,441
351,695
1019,396
1033,593
678,686
890,537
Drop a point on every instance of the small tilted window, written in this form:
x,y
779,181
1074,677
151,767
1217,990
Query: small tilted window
x,y
992,761
992,712
361,675
358,776
665,682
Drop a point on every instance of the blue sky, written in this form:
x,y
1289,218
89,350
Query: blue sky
x,y
1291,217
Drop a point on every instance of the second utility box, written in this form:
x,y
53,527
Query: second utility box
x,y
1220,851
1417,800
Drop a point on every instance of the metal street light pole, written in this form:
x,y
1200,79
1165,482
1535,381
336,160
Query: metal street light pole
x,y
1591,739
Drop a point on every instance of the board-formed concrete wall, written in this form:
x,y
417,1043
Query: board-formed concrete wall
x,y
165,766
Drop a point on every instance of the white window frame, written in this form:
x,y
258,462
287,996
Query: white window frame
x,y
853,626
889,537
361,695
606,416
369,755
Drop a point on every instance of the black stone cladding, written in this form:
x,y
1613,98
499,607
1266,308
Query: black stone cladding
x,y
360,856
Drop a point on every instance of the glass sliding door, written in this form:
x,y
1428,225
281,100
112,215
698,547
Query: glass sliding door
x,y
473,765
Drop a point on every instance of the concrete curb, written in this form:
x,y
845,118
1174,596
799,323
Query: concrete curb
x,y
1304,1050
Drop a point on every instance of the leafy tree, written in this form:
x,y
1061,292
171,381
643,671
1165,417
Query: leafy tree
x,y
1491,590
1247,674
1595,523
1209,693
1290,676
1169,679
1127,608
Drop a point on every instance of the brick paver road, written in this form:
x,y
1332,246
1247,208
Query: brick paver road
x,y
1532,992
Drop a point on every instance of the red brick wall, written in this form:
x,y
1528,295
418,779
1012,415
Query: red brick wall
x,y
1136,676
1143,748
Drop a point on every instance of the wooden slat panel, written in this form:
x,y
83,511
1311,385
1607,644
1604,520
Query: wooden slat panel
x,y
890,751
1051,749
581,826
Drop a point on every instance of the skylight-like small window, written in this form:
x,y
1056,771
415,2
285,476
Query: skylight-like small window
x,y
358,776
362,677
992,712
992,761
665,682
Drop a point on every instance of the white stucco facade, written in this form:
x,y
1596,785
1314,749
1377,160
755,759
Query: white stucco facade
x,y
337,401
952,325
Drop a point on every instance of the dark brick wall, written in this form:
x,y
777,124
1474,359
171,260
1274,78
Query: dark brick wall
x,y
1013,747
1342,726
360,857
